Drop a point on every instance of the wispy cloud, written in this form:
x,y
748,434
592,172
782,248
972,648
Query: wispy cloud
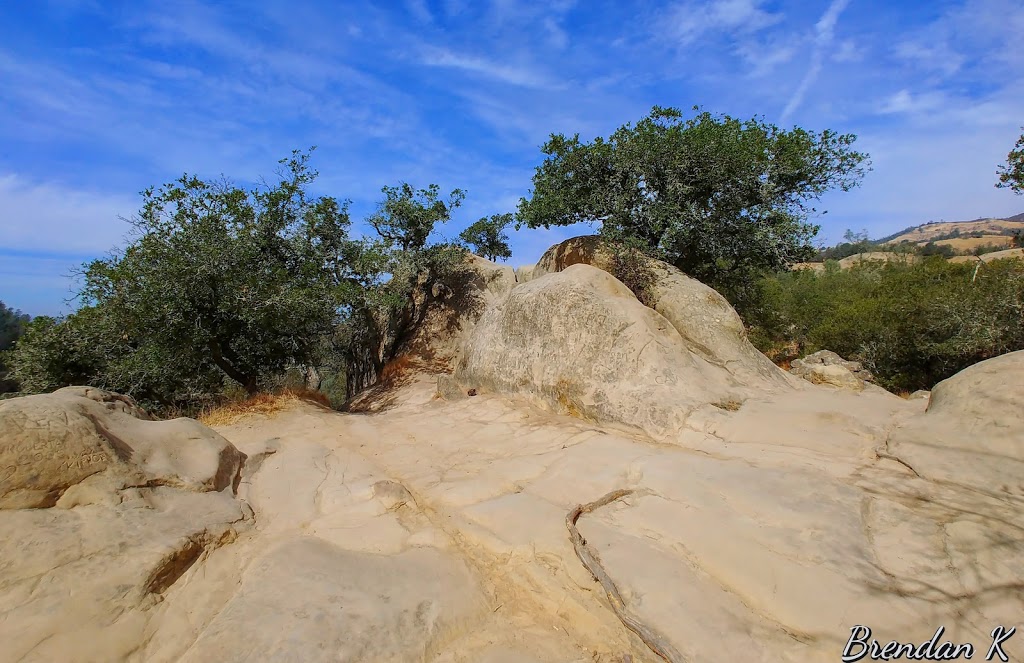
x,y
688,21
513,75
824,33
905,102
419,10
57,219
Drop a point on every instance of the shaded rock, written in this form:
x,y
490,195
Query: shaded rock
x,y
579,341
973,430
524,273
454,307
449,388
51,442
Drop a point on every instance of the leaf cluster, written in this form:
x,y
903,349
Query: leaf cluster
x,y
911,324
714,195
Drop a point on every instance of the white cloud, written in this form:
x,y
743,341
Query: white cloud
x,y
521,76
52,218
905,102
824,31
764,59
930,54
688,21
848,51
419,10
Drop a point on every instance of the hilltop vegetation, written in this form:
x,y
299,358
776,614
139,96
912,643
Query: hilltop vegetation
x,y
912,325
225,290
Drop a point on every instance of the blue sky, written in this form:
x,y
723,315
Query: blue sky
x,y
99,100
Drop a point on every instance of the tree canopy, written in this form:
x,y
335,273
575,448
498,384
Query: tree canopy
x,y
12,326
714,195
244,281
487,236
406,217
1011,174
221,284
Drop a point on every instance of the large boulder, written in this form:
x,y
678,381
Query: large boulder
x,y
702,316
52,442
973,430
580,341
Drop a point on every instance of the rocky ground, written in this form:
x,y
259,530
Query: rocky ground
x,y
766,517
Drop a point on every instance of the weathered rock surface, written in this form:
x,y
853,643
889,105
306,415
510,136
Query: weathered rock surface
x,y
973,430
580,341
702,316
827,367
434,530
457,306
51,442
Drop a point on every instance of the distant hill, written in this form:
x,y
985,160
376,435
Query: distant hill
x,y
961,236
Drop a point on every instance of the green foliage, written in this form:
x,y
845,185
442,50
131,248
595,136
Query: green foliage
x,y
487,237
855,243
218,283
406,217
933,249
718,197
12,326
1011,174
395,274
631,264
912,325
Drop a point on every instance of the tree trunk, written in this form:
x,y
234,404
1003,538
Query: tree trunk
x,y
247,381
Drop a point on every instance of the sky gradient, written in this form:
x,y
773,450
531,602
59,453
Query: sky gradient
x,y
99,100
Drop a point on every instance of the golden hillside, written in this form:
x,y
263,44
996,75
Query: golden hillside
x,y
962,235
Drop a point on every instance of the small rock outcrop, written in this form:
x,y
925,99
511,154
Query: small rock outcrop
x,y
827,367
52,442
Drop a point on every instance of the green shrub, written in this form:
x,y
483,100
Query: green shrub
x,y
912,325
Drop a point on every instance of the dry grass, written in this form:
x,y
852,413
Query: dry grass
x,y
971,243
923,234
260,404
397,370
731,404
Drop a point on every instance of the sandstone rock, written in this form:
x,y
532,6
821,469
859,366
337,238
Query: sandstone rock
x,y
456,306
581,342
811,363
307,600
78,584
973,430
51,442
834,375
524,273
702,316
